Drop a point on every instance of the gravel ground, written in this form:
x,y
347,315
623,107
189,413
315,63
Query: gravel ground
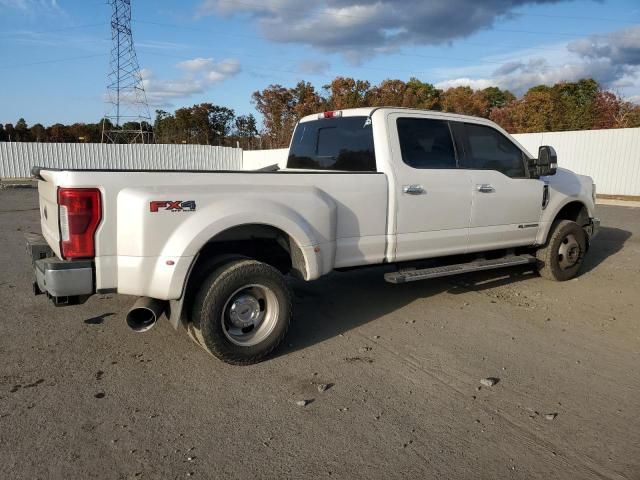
x,y
376,380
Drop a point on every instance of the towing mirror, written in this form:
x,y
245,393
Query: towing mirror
x,y
547,162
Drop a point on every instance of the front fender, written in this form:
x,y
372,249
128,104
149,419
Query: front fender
x,y
564,188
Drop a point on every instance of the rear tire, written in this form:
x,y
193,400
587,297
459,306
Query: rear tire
x,y
242,312
562,256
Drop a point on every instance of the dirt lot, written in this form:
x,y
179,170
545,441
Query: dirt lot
x,y
82,396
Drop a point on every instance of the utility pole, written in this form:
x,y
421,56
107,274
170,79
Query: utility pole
x,y
128,119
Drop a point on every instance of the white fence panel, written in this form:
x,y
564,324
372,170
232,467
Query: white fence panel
x,y
610,157
16,159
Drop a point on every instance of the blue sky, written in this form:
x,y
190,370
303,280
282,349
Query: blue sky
x,y
55,53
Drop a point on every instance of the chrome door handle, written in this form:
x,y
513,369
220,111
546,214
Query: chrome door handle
x,y
414,190
485,188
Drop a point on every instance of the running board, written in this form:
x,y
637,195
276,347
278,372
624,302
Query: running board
x,y
404,276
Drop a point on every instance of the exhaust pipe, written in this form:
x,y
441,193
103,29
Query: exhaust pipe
x,y
145,313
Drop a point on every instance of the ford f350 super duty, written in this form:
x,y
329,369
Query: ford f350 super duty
x,y
431,194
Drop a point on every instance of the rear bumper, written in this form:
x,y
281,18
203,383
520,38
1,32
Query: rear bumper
x,y
64,282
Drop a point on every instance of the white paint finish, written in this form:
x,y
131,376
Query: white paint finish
x,y
565,187
256,159
17,158
48,202
496,216
435,222
343,214
336,219
610,157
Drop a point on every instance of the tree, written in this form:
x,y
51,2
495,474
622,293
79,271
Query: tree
x,y
276,104
10,132
497,98
390,93
576,102
345,92
3,135
39,133
22,133
421,95
466,101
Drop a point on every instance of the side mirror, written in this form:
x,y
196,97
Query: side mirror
x,y
547,162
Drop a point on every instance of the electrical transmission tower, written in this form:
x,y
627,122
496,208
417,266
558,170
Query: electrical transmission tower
x,y
128,119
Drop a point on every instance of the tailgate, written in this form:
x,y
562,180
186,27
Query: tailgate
x,y
48,196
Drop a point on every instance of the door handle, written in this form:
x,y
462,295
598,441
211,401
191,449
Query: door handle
x,y
485,188
414,190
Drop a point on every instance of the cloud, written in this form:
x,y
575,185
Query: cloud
x,y
314,67
29,5
358,29
622,47
613,60
199,74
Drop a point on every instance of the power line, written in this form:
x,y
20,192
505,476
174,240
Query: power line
x,y
57,60
53,30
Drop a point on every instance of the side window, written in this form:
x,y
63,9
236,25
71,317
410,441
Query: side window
x,y
426,143
488,149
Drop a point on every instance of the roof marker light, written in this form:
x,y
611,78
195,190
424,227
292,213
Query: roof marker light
x,y
333,114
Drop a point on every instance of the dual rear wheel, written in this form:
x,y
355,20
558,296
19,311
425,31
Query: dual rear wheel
x,y
241,311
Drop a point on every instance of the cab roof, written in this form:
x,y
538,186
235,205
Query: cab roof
x,y
369,111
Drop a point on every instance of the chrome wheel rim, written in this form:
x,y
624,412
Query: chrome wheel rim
x,y
249,315
569,253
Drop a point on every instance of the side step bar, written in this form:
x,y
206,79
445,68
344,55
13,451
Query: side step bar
x,y
404,276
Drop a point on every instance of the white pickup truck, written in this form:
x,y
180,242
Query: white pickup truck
x,y
429,193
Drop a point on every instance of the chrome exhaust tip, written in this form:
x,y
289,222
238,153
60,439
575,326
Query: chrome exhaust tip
x,y
145,313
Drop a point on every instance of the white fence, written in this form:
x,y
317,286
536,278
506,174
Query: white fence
x,y
16,159
610,157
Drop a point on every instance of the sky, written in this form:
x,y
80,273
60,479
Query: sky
x,y
54,54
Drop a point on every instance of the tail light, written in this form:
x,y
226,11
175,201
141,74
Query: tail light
x,y
80,214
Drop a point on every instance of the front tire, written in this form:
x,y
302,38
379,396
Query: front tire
x,y
242,311
562,256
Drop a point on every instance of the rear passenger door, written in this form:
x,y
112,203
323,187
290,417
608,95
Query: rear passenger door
x,y
506,203
433,197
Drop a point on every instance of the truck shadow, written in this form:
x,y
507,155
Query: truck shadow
x,y
341,302
608,242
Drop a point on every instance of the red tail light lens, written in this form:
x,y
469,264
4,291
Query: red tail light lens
x,y
80,213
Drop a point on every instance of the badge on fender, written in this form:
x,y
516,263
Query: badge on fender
x,y
172,206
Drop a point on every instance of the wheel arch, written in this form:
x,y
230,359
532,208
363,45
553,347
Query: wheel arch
x,y
264,242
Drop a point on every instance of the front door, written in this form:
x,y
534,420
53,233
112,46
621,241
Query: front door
x,y
506,203
433,197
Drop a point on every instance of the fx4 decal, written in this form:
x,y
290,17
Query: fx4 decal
x,y
172,206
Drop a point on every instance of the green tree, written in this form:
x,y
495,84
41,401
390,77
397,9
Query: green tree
x,y
22,131
10,132
39,133
421,95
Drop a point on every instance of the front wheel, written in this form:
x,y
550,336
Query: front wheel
x,y
242,311
562,256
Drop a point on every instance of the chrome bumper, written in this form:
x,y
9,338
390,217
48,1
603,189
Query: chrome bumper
x,y
64,282
593,228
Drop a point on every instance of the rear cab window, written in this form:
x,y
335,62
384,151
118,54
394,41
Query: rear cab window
x,y
343,144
